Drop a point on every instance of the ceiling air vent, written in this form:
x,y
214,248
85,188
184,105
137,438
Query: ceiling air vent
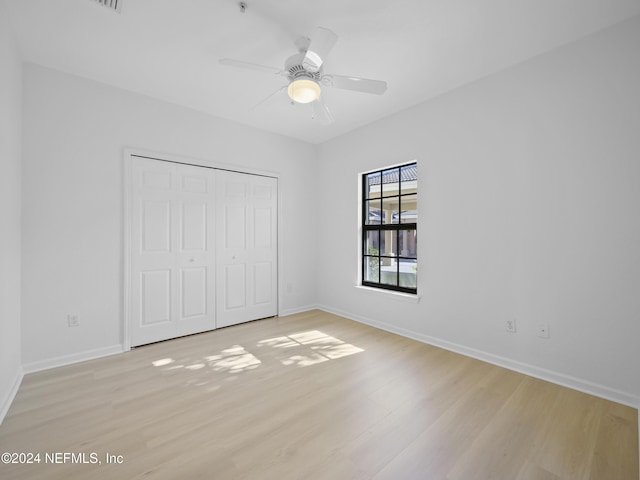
x,y
115,5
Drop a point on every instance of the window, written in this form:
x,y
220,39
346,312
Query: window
x,y
389,228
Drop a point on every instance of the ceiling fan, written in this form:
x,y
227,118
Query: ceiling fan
x,y
306,76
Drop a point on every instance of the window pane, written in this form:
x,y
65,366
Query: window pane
x,y
389,275
374,214
372,246
390,181
409,209
371,271
372,185
409,175
388,242
390,212
407,244
409,273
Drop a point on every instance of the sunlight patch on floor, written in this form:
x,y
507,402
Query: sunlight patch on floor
x,y
317,347
234,359
162,362
304,349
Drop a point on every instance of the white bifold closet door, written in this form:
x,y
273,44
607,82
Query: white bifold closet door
x,y
246,247
198,263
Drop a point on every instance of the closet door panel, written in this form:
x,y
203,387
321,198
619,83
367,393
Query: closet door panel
x,y
246,257
172,250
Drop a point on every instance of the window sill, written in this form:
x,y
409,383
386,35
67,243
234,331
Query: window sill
x,y
405,297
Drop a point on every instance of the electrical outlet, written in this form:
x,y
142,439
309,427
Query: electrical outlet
x,y
73,321
511,326
543,330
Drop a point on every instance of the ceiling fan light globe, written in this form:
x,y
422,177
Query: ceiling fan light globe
x,y
303,90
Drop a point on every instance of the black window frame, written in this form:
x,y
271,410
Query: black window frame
x,y
366,256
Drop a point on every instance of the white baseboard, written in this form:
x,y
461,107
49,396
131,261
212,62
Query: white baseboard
x,y
73,358
8,400
568,381
293,311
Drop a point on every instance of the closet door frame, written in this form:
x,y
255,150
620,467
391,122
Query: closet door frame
x,y
129,153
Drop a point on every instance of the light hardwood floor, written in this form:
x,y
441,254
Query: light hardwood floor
x,y
312,396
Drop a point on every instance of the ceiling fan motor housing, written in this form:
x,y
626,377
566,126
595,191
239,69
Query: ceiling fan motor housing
x,y
293,65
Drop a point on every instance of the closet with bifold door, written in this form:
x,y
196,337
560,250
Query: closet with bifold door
x,y
202,248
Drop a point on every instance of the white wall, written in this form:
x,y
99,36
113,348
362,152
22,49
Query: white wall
x,y
75,131
10,179
529,209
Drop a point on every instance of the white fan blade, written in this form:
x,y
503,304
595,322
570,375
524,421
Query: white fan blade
x,y
321,44
321,112
376,87
267,98
250,66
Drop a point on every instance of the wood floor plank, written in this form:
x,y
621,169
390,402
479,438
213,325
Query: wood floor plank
x,y
616,442
569,435
531,471
312,396
504,445
439,447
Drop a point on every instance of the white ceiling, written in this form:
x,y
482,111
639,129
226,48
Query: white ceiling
x,y
169,49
